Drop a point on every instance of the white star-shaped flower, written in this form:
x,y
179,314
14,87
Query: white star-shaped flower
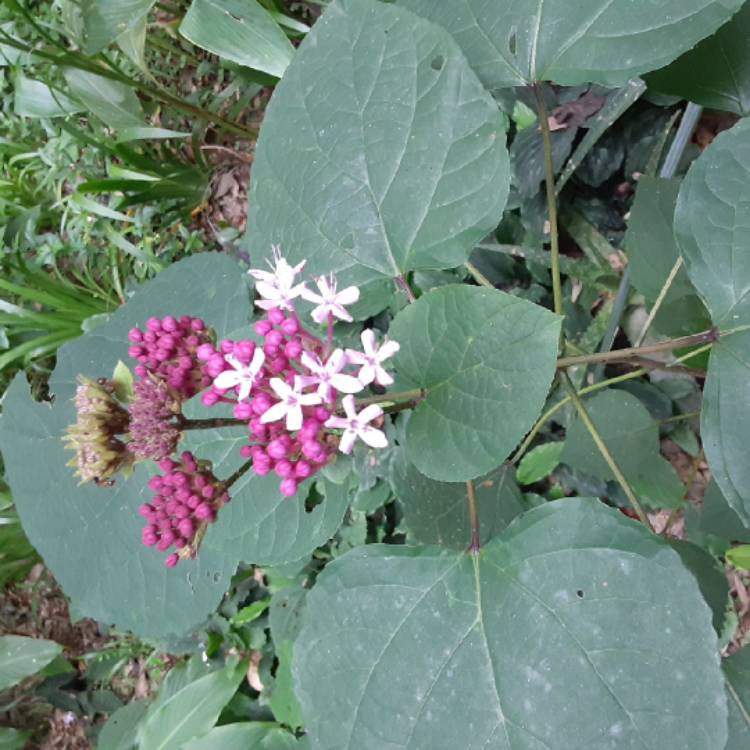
x,y
241,376
329,301
328,376
372,359
277,286
358,426
291,403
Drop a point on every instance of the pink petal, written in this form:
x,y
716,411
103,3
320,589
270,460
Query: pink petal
x,y
336,361
310,296
356,358
276,412
366,375
388,349
347,441
337,423
311,363
324,286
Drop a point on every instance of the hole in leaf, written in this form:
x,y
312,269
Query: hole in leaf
x,y
512,42
437,62
579,594
313,500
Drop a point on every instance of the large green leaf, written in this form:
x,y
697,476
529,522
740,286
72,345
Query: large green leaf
x,y
21,657
114,103
604,41
121,730
632,437
737,675
575,628
486,360
12,739
260,525
650,242
380,152
104,20
190,712
437,512
712,225
115,579
246,736
716,73
238,30
36,99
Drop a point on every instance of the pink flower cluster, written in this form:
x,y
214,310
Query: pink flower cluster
x,y
186,499
287,387
167,350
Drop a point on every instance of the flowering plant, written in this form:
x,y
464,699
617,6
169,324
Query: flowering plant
x,y
465,487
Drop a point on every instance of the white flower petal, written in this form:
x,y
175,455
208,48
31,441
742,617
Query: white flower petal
x,y
369,343
373,437
294,418
282,389
382,377
340,312
309,399
388,349
275,413
373,411
320,314
311,296
244,390
354,357
348,403
227,379
259,357
337,423
348,296
347,441
366,374
346,383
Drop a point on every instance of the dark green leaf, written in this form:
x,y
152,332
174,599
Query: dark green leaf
x,y
437,512
283,701
716,73
711,224
21,657
129,584
380,152
191,712
515,43
718,518
247,736
104,20
486,360
737,675
632,437
239,30
537,642
285,614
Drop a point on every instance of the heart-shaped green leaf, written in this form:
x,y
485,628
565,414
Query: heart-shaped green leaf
x,y
485,360
716,73
602,41
712,225
380,151
117,580
575,628
437,512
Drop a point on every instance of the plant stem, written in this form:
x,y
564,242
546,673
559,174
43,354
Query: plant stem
x,y
606,455
619,355
479,277
398,396
404,284
529,439
659,300
329,334
473,517
237,474
551,200
208,424
680,417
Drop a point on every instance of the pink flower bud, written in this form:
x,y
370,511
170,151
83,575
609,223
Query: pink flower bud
x,y
210,398
167,464
135,352
271,351
262,327
284,468
277,449
203,511
204,352
172,560
288,487
153,324
275,338
303,470
168,323
246,451
321,413
262,468
135,335
243,410
290,326
193,502
186,528
244,350
276,316
226,346
197,325
293,349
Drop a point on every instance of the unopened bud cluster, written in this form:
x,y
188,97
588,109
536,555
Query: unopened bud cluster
x,y
186,499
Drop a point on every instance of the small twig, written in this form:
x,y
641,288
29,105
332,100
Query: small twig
x,y
479,277
183,423
606,455
620,355
659,300
549,169
227,483
474,518
245,158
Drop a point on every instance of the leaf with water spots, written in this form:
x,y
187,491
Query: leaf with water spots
x,y
576,627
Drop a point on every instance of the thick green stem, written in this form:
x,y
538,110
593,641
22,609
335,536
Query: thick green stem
x,y
227,483
478,276
606,455
621,355
473,517
551,200
659,301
